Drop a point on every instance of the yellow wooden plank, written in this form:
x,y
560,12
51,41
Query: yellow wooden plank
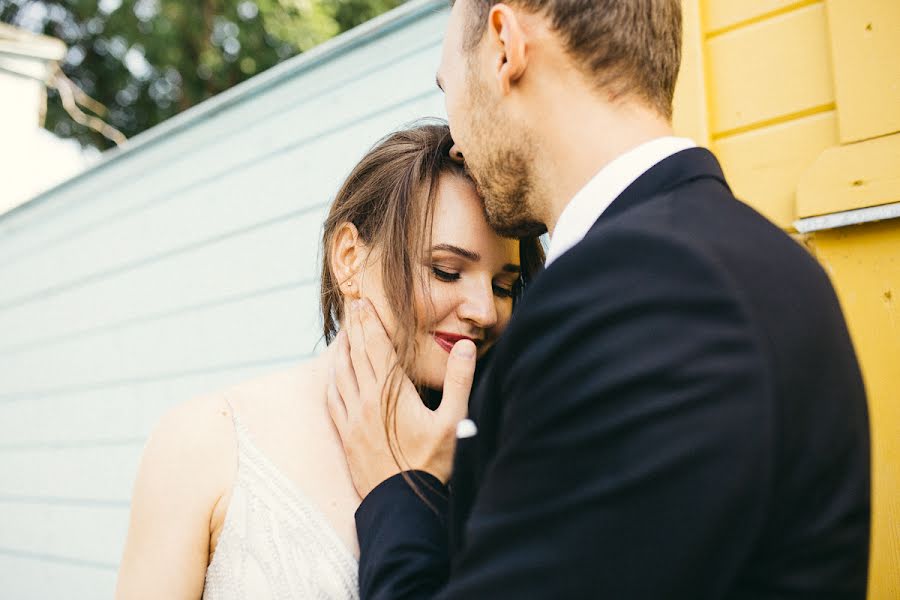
x,y
764,166
863,264
865,46
722,14
769,70
852,176
691,116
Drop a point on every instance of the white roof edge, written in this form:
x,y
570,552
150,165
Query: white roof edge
x,y
21,42
373,29
46,52
846,218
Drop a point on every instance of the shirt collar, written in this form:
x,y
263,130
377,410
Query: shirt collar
x,y
588,204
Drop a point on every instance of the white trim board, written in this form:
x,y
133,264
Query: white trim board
x,y
848,217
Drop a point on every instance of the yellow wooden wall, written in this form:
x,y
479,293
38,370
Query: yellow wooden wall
x,y
800,100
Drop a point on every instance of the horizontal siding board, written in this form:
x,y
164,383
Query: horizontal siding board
x,y
281,254
39,576
281,324
763,166
80,533
747,69
723,14
110,415
865,45
851,177
74,476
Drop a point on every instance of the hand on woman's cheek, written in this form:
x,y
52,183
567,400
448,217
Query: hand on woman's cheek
x,y
420,438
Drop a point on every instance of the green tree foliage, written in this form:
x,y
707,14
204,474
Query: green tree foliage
x,y
146,60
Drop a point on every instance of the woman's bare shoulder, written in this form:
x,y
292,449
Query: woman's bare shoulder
x,y
289,397
193,444
200,431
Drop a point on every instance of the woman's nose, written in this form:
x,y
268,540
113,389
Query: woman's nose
x,y
478,306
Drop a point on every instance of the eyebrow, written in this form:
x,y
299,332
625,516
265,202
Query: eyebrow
x,y
437,80
472,256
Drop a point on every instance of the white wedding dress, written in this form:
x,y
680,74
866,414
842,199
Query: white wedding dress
x,y
274,543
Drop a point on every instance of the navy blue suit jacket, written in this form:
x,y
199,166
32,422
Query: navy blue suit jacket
x,y
675,411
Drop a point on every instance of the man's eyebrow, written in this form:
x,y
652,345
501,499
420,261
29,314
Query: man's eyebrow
x,y
510,268
437,80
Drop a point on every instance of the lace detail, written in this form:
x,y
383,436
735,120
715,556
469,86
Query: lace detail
x,y
275,544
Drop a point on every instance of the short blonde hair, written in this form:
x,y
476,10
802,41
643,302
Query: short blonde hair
x,y
629,47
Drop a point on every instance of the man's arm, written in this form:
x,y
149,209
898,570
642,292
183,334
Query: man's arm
x,y
632,457
403,538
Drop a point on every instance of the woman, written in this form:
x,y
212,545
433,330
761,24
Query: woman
x,y
246,493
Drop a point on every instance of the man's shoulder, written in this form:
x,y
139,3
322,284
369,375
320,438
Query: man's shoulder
x,y
642,246
699,225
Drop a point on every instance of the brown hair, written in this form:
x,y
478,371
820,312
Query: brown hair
x,y
626,46
389,196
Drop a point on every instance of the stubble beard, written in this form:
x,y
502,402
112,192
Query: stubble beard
x,y
501,168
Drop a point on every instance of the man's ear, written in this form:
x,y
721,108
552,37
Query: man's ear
x,y
348,255
508,37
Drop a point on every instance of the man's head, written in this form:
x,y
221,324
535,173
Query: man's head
x,y
507,66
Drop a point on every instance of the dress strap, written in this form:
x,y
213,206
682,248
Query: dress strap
x,y
236,427
230,406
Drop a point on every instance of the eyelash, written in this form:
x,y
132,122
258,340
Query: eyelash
x,y
451,277
444,275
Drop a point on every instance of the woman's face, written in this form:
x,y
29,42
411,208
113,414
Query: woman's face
x,y
469,272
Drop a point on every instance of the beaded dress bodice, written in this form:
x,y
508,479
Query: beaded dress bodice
x,y
274,543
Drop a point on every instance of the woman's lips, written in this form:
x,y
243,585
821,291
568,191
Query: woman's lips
x,y
447,340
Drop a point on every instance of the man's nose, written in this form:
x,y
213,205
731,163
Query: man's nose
x,y
456,154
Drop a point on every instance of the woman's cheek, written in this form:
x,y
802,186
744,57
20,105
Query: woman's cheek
x,y
505,312
438,306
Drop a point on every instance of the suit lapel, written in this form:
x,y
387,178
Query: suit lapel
x,y
672,172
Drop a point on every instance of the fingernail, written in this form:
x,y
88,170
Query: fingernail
x,y
464,349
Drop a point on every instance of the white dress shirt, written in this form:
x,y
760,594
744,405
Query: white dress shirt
x,y
588,204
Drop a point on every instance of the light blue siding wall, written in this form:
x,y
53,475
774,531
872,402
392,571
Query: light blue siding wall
x,y
178,266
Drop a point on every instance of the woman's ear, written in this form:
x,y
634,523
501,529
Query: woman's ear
x,y
348,256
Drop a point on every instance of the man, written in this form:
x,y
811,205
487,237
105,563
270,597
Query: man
x,y
675,410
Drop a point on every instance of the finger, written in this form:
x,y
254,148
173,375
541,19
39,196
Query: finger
x,y
344,375
458,382
379,348
365,375
336,407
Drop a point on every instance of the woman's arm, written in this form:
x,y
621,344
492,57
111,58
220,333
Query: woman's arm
x,y
187,466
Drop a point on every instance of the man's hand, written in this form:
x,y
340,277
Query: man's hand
x,y
381,440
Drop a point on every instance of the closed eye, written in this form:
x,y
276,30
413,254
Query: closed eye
x,y
445,275
504,292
